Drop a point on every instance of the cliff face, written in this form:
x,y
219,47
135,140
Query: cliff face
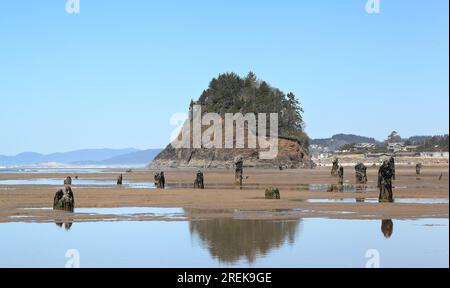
x,y
291,154
231,94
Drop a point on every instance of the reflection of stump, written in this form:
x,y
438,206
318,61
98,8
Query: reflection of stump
x,y
238,164
387,227
335,188
160,180
198,183
272,193
68,181
120,179
385,176
335,168
66,224
64,200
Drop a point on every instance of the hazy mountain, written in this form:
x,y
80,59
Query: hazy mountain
x,y
93,155
133,158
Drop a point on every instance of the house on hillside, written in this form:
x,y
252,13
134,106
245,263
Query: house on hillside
x,y
396,147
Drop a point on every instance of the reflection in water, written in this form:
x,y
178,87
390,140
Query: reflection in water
x,y
316,242
229,239
64,223
387,227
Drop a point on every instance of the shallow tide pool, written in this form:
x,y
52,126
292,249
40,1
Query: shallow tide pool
x,y
228,243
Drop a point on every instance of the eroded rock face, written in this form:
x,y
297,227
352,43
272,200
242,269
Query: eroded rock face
x,y
199,181
160,180
68,181
64,200
385,176
273,193
291,155
361,173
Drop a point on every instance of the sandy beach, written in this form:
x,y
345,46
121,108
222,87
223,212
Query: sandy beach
x,y
300,197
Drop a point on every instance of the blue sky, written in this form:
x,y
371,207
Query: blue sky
x,y
113,75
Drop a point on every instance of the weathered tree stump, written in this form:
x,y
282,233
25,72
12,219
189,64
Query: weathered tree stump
x,y
68,181
198,183
120,180
392,165
64,200
160,180
385,175
361,173
238,169
273,193
335,167
341,176
418,170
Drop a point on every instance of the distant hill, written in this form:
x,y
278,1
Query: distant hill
x,y
133,158
338,140
86,155
435,144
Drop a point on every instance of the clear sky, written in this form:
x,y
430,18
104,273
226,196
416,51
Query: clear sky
x,y
113,75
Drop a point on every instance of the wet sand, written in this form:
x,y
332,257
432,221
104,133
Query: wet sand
x,y
220,199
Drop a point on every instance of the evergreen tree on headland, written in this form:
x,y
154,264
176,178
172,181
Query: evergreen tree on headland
x,y
229,93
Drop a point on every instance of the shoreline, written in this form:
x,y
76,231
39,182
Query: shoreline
x,y
225,201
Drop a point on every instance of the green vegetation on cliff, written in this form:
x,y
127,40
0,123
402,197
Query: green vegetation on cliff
x,y
229,93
